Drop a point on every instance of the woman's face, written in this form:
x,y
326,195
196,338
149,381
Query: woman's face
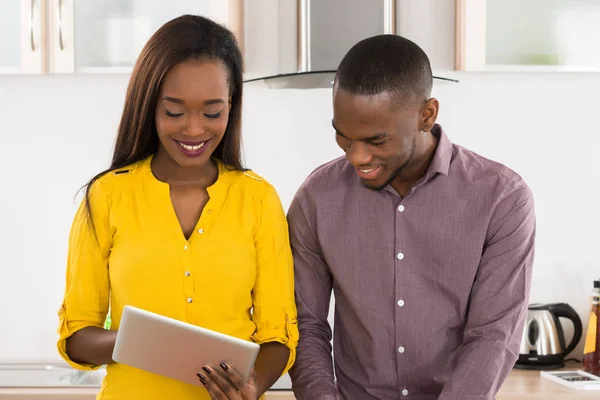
x,y
192,111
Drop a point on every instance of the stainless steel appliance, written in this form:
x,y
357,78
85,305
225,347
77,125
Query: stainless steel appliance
x,y
543,341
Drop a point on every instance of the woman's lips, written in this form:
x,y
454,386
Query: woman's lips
x,y
192,148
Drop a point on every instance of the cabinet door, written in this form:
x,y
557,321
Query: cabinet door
x,y
541,35
22,43
108,35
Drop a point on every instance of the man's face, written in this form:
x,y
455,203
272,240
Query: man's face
x,y
378,136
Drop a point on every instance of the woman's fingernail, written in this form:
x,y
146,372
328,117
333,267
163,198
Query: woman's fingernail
x,y
224,366
206,370
202,377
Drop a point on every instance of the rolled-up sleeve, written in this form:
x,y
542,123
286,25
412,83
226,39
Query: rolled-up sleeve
x,y
86,298
274,308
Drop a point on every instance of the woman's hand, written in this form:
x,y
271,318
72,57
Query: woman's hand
x,y
225,382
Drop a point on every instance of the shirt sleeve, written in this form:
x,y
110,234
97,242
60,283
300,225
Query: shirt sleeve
x,y
86,297
498,302
312,375
274,309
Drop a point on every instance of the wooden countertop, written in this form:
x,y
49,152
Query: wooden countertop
x,y
520,385
90,394
529,385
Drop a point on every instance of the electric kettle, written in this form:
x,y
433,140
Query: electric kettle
x,y
543,341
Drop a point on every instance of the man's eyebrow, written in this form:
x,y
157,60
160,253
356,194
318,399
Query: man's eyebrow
x,y
337,131
377,136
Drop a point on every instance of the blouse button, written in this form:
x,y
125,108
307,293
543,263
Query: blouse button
x,y
185,247
189,299
201,231
187,273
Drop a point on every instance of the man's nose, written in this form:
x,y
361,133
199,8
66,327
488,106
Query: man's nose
x,y
358,155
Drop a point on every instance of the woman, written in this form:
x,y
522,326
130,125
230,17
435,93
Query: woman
x,y
176,226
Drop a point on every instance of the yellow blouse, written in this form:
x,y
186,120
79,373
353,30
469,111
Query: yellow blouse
x,y
234,274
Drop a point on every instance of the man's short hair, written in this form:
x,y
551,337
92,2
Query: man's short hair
x,y
387,63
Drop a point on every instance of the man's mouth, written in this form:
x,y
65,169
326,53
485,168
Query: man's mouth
x,y
368,173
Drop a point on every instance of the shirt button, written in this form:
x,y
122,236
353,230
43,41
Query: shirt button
x,y
401,303
187,273
189,299
400,349
404,392
209,211
185,247
401,208
400,256
201,231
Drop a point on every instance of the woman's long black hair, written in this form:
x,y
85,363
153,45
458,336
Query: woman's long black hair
x,y
183,38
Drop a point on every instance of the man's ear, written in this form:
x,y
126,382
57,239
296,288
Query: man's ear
x,y
429,114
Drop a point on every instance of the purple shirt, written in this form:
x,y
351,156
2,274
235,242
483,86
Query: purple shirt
x,y
431,290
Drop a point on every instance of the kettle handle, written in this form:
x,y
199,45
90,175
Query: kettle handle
x,y
566,311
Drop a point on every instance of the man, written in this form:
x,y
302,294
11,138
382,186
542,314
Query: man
x,y
427,246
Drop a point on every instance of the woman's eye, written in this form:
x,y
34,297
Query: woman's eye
x,y
215,115
173,115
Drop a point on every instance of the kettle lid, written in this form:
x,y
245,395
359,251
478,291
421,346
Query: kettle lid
x,y
539,306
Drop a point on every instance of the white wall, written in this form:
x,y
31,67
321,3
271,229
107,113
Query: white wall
x,y
57,131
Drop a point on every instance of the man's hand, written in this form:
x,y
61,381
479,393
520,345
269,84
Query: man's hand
x,y
225,383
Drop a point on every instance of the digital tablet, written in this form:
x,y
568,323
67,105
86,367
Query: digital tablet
x,y
176,349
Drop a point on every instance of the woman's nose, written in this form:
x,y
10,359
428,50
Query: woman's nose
x,y
195,126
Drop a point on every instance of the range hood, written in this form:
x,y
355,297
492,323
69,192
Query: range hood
x,y
299,44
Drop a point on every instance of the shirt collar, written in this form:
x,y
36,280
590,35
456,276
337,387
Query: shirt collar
x,y
443,153
440,162
218,188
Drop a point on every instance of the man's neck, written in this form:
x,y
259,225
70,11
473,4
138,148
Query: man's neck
x,y
418,167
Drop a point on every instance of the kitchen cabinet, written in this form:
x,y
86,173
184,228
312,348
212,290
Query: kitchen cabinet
x,y
527,35
100,36
22,44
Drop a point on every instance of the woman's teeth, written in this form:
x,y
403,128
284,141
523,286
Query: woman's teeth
x,y
366,171
191,148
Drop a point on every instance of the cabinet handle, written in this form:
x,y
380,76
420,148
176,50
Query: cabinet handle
x,y
31,39
60,35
